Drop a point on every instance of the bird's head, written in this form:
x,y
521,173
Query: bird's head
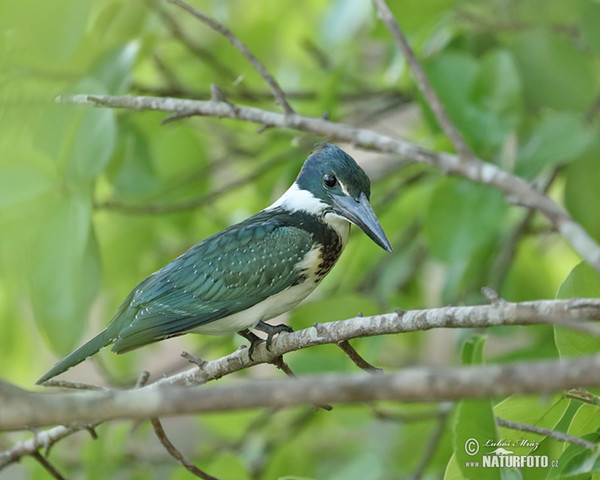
x,y
341,187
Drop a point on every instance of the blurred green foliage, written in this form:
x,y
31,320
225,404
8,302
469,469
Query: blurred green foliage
x,y
93,200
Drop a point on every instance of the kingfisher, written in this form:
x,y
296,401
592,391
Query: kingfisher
x,y
250,272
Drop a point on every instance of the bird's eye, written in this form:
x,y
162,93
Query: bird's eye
x,y
329,180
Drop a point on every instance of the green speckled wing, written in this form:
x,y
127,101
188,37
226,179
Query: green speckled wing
x,y
225,274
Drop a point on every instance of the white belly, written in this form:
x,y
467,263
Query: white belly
x,y
271,307
285,300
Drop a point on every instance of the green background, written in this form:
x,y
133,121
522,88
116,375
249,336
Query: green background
x,y
94,200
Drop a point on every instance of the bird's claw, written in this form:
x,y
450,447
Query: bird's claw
x,y
252,338
272,330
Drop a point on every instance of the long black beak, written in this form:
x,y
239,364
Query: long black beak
x,y
360,213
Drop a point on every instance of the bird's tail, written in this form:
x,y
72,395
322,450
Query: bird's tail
x,y
101,340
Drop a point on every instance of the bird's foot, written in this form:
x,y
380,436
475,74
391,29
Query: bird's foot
x,y
272,330
252,338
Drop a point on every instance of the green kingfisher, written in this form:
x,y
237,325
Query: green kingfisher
x,y
252,271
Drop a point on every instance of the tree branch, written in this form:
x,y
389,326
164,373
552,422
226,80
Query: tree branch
x,y
545,432
569,312
359,361
410,385
260,68
202,53
431,446
176,454
48,466
473,169
422,82
44,440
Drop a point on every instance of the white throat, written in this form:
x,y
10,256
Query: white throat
x,y
295,199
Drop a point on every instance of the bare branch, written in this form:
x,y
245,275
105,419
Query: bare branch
x,y
546,432
409,385
47,465
207,198
431,446
359,361
583,396
260,68
503,313
176,454
470,168
72,385
422,82
568,313
204,54
44,440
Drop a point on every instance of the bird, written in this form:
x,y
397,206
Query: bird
x,y
250,272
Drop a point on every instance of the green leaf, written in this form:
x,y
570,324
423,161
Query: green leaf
x,y
93,141
132,170
65,273
582,190
472,350
576,463
342,20
80,138
496,95
452,74
475,426
532,410
585,421
482,97
453,471
582,282
20,183
113,71
557,139
590,19
555,73
461,217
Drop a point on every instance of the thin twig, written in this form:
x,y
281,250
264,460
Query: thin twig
x,y
162,208
431,446
167,74
546,432
142,379
203,53
199,362
72,385
359,361
176,454
394,97
593,111
503,261
280,363
47,465
260,68
422,82
583,396
442,410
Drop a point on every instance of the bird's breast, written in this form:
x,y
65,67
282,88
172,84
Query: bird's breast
x,y
325,251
